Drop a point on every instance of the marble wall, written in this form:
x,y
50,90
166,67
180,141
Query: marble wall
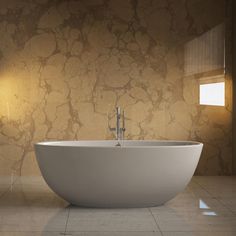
x,y
65,64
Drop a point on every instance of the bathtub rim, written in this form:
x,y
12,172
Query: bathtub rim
x,y
64,144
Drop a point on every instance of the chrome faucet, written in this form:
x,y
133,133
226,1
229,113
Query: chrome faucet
x,y
119,130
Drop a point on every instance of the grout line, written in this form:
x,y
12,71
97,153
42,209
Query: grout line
x,y
155,221
216,198
112,231
94,231
227,207
67,220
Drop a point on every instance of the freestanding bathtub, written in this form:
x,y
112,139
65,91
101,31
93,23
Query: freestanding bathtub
x,y
101,174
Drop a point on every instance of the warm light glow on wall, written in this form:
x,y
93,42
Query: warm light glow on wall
x,y
11,93
6,96
212,94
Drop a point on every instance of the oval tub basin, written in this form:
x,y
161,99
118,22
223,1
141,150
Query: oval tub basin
x,y
101,174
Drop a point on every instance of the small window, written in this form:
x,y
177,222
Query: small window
x,y
205,61
212,94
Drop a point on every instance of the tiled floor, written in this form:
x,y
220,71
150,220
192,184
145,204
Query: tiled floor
x,y
206,208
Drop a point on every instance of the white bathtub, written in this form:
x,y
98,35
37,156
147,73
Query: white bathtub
x,y
100,174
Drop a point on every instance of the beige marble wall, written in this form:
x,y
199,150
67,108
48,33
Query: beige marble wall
x,y
65,64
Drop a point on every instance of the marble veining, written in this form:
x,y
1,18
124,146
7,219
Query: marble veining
x,y
64,65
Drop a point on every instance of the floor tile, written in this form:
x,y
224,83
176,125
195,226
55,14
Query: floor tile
x,y
28,219
34,195
193,206
115,233
207,207
199,233
32,207
32,233
229,203
195,222
208,181
110,220
218,186
3,189
6,183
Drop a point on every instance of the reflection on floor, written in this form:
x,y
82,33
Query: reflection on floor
x,y
207,207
